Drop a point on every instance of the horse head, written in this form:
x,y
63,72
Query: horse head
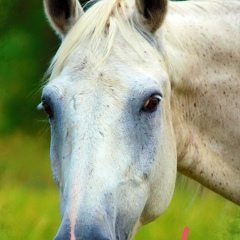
x,y
113,151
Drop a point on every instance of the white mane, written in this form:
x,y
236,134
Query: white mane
x,y
97,29
99,25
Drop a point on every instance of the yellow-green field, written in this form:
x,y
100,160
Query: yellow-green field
x,y
29,204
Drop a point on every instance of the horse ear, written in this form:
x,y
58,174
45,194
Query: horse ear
x,y
62,14
151,13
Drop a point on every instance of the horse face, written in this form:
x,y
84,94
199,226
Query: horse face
x,y
113,149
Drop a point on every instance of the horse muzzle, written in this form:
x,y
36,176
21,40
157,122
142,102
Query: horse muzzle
x,y
82,231
87,232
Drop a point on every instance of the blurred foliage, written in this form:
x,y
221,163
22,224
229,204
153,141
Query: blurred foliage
x,y
26,46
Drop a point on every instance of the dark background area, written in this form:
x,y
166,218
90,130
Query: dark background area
x,y
27,45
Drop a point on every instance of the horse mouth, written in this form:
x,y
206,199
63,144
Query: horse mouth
x,y
89,232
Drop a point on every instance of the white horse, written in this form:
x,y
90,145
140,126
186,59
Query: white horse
x,y
136,91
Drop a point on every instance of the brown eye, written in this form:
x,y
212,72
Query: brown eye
x,y
152,103
47,110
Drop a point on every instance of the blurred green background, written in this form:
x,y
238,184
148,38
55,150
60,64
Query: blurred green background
x,y
29,201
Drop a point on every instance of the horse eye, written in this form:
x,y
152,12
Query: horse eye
x,y
152,103
47,110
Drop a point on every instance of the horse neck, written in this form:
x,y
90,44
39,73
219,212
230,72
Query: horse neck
x,y
206,98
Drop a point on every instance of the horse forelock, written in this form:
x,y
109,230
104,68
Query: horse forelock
x,y
97,29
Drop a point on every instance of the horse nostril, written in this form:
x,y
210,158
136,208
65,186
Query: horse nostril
x,y
92,232
94,236
81,238
62,237
103,238
84,232
64,231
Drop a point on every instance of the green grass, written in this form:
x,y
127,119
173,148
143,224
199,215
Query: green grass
x,y
28,197
29,201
